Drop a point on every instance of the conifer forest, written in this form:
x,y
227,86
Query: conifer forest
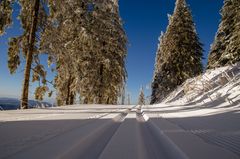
x,y
86,45
119,79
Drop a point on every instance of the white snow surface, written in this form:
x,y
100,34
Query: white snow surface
x,y
200,120
121,132
215,87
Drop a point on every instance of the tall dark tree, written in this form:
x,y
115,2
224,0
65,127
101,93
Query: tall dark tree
x,y
30,51
110,52
181,52
225,48
59,40
86,40
158,62
32,17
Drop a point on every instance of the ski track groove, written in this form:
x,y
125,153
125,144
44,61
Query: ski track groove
x,y
156,135
215,138
94,144
124,115
151,135
229,142
38,139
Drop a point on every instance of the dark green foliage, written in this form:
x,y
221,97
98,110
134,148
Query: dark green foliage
x,y
158,63
225,49
13,54
180,53
141,98
87,41
5,15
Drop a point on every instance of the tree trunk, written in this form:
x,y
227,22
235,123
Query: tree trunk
x,y
123,95
29,58
100,95
68,91
70,94
72,98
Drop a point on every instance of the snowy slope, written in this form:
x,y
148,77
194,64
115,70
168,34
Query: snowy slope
x,y
216,87
207,106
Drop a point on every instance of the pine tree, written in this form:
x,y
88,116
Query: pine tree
x,y
141,98
107,61
181,53
5,14
32,18
87,39
57,41
232,53
29,56
158,62
128,99
225,50
110,50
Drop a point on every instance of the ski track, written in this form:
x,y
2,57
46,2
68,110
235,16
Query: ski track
x,y
229,140
119,133
225,140
12,150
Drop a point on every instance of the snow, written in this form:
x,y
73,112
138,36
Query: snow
x,y
215,87
196,125
111,131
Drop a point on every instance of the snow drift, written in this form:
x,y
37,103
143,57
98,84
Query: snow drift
x,y
215,87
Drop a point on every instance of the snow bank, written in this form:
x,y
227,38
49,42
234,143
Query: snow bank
x,y
216,87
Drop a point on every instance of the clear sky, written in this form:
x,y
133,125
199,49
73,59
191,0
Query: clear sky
x,y
143,21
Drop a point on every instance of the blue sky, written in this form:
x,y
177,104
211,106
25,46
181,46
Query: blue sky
x,y
143,21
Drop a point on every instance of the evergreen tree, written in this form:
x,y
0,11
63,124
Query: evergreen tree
x,y
232,53
5,14
158,62
86,40
181,53
57,40
128,99
32,18
110,54
29,56
141,98
225,49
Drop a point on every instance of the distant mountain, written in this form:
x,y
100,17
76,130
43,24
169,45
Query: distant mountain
x,y
13,104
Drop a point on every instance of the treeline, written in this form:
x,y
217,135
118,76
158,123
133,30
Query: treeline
x,y
85,43
179,55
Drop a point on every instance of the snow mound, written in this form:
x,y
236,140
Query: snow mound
x,y
215,87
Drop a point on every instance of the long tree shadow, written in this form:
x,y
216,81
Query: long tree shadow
x,y
220,129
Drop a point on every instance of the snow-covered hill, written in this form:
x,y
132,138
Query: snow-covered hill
x,y
215,87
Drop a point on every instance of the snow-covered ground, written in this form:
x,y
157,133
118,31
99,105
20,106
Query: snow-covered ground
x,y
121,132
200,120
218,87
